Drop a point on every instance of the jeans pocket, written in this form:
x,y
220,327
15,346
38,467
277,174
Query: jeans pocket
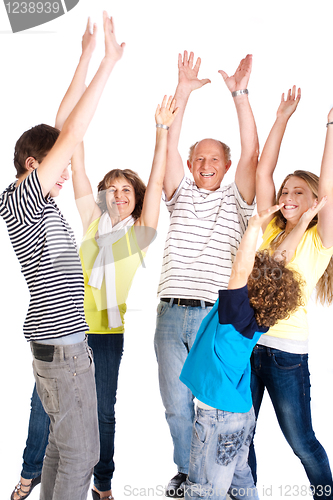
x,y
228,446
83,362
287,361
48,393
200,431
162,308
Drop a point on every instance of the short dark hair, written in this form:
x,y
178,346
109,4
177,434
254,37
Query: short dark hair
x,y
274,291
35,142
133,178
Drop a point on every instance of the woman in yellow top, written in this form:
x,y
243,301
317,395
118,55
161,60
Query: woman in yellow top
x,y
280,359
117,230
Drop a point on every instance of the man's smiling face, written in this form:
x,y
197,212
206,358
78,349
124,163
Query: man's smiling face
x,y
208,165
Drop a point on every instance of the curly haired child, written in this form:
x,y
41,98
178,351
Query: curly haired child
x,y
261,291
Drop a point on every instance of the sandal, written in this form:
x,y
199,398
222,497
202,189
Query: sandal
x,y
96,496
19,488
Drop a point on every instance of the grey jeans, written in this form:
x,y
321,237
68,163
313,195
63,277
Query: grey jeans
x,y
66,386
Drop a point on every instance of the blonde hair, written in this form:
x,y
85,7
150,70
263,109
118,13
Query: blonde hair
x,y
324,287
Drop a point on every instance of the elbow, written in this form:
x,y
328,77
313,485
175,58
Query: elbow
x,y
254,158
71,133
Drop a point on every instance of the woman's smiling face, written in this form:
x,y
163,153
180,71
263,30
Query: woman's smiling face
x,y
297,198
120,198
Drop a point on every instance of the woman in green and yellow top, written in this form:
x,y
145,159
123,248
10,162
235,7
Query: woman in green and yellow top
x,y
280,359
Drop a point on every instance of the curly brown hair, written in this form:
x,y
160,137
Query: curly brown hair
x,y
275,292
133,178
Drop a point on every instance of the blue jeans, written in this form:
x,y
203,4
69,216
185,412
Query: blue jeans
x,y
65,383
107,351
219,452
176,329
38,437
287,379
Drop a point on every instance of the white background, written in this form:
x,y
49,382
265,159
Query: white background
x,y
291,43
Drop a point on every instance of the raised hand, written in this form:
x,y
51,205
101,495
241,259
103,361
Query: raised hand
x,y
113,50
166,112
257,220
240,79
288,106
312,212
89,39
188,73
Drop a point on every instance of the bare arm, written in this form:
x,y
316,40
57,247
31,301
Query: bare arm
x,y
243,263
187,82
265,189
165,115
83,192
78,121
246,168
77,85
325,216
287,248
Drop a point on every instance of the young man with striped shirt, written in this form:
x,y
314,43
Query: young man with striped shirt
x,y
207,222
55,324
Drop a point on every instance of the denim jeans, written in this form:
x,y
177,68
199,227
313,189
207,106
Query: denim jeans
x,y
107,351
287,379
219,452
66,386
176,329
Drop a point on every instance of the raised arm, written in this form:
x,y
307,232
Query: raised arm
x,y
287,247
78,121
244,260
85,202
165,115
246,169
325,217
265,189
77,85
187,82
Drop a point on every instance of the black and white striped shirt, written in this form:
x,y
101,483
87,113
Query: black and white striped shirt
x,y
45,246
206,228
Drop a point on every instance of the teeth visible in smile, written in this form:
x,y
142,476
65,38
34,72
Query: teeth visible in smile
x,y
290,206
207,175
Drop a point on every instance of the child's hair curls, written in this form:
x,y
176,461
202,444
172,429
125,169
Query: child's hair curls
x,y
275,292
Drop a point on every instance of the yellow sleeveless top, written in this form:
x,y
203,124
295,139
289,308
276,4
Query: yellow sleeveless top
x,y
310,261
127,257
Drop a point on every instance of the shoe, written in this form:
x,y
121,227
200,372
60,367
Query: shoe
x,y
176,486
18,488
97,496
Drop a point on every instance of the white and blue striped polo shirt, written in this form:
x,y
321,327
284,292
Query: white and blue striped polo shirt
x,y
45,246
206,228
